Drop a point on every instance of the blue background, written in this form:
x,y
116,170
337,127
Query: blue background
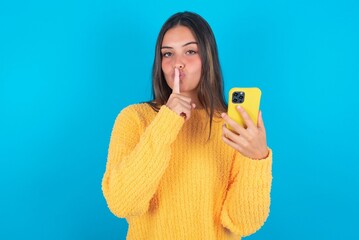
x,y
68,67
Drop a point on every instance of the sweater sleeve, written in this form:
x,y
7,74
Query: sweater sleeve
x,y
137,159
247,202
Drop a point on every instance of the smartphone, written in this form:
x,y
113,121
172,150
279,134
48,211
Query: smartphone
x,y
249,99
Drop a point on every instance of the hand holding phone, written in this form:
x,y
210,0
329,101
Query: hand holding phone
x,y
244,130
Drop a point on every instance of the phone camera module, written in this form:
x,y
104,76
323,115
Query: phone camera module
x,y
238,97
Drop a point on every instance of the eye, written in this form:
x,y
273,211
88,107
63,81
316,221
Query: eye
x,y
166,54
191,52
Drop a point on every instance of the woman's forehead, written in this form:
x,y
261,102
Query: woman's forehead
x,y
178,36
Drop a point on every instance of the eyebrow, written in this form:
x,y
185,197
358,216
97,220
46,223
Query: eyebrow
x,y
182,45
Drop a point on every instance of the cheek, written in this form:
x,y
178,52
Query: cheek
x,y
166,69
166,66
196,65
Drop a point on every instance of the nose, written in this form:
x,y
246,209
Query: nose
x,y
179,63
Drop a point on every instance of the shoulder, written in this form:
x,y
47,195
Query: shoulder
x,y
138,112
138,109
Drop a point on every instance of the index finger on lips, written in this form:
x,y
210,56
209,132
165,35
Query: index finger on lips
x,y
176,82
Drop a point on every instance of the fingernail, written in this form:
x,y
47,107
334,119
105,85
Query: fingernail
x,y
239,107
223,115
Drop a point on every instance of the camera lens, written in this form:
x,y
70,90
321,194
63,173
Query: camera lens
x,y
235,94
235,100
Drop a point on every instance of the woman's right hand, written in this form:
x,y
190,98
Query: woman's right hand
x,y
178,103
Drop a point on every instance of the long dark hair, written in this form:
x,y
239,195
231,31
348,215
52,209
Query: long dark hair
x,y
210,89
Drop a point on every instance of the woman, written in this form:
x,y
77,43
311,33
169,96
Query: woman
x,y
174,170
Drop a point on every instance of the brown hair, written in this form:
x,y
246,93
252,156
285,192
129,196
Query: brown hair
x,y
210,89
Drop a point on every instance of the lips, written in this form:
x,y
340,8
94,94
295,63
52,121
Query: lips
x,y
181,75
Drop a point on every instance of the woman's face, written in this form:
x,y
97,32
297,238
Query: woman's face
x,y
180,50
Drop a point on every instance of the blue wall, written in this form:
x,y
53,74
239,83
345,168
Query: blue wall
x,y
67,68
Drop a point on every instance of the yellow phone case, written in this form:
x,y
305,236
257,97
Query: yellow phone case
x,y
249,99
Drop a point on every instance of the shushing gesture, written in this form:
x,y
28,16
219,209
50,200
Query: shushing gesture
x,y
178,103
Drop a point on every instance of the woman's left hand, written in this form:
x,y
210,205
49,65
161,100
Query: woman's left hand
x,y
250,141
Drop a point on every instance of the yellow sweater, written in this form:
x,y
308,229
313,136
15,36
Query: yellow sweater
x,y
169,182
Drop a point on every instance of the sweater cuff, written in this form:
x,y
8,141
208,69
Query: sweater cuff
x,y
255,169
167,124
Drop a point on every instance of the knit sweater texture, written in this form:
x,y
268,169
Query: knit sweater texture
x,y
170,182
